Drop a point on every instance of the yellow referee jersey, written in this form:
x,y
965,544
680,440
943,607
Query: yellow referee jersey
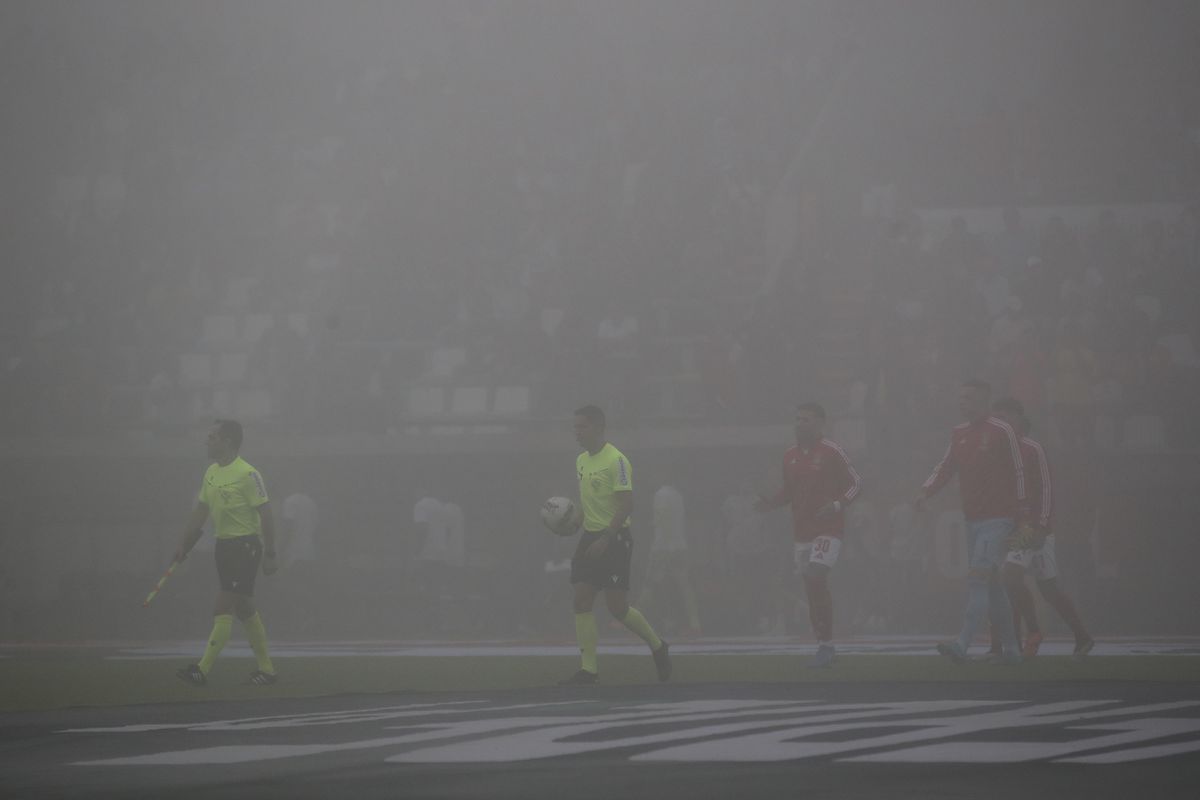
x,y
233,494
600,477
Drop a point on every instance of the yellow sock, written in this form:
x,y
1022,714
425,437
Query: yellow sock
x,y
222,627
586,635
257,635
637,623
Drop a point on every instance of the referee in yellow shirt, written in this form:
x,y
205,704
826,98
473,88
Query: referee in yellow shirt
x,y
601,560
234,494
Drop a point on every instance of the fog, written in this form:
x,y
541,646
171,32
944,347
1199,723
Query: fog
x,y
402,242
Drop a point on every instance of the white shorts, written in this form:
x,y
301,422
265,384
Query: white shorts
x,y
1040,563
822,550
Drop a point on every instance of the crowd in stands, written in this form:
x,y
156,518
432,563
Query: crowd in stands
x,y
347,238
1091,326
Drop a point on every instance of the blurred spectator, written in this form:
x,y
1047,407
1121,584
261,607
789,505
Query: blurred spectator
x,y
759,562
1108,249
667,572
456,535
1026,368
1037,285
618,345
1013,246
617,331
304,571
1075,371
993,287
298,532
1169,392
719,354
960,245
437,573
1059,246
428,532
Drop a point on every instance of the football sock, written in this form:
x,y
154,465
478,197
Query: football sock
x,y
1001,615
222,627
586,635
257,635
1022,603
820,608
1066,609
977,609
638,624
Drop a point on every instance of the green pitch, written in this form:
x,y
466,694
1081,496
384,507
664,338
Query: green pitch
x,y
40,682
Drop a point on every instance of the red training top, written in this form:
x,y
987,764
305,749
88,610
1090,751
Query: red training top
x,y
987,458
812,478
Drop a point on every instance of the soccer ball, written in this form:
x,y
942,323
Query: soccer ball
x,y
561,516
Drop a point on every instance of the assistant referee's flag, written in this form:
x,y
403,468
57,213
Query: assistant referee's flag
x,y
158,586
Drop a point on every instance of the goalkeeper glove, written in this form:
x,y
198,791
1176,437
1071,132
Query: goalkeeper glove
x,y
1025,537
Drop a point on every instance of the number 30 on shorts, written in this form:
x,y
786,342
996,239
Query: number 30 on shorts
x,y
821,550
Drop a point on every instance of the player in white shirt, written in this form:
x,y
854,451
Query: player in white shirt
x,y
299,539
668,565
456,553
429,523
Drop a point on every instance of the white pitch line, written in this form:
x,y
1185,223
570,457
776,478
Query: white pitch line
x,y
906,646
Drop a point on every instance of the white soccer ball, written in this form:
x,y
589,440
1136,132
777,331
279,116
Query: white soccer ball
x,y
561,516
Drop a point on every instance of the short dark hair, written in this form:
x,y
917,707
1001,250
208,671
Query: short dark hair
x,y
1009,405
594,415
980,385
814,408
231,430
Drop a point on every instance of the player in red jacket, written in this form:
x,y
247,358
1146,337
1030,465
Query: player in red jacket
x,y
985,455
1032,548
818,484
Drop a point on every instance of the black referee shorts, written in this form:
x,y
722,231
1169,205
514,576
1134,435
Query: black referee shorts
x,y
238,559
609,571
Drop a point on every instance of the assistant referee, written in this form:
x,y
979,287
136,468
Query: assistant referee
x,y
234,494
